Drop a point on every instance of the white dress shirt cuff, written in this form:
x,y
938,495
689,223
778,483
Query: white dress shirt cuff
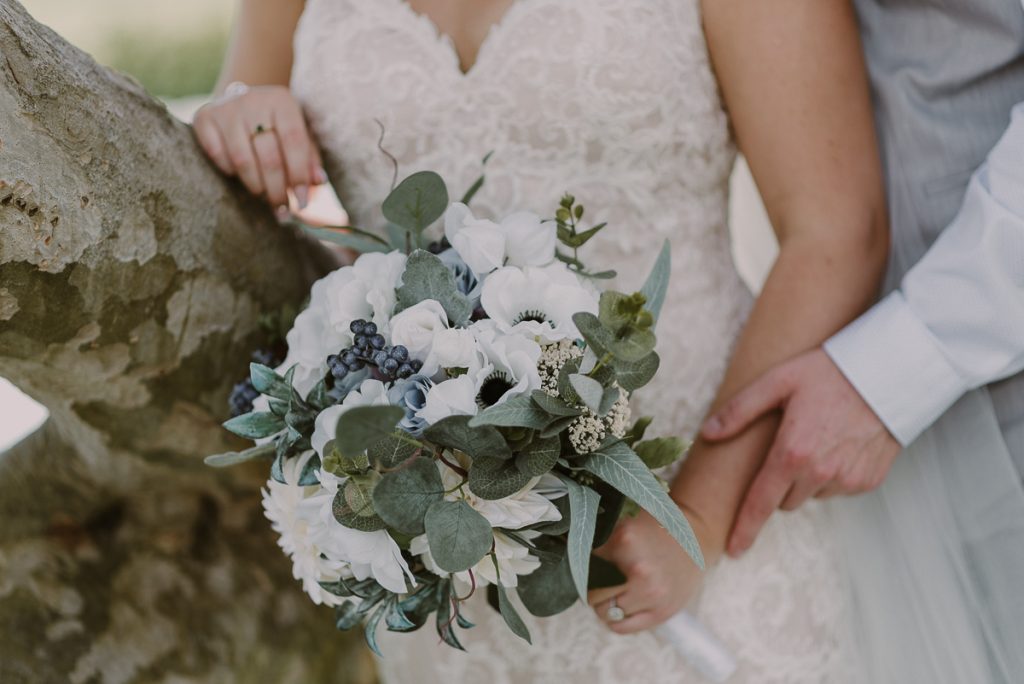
x,y
896,364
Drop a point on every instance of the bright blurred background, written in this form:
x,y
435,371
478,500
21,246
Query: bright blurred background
x,y
174,49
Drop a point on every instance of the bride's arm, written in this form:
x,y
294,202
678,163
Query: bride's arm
x,y
259,133
794,82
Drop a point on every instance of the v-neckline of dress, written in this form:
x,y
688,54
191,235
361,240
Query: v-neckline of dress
x,y
448,42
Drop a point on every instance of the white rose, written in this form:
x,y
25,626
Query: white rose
x,y
479,242
416,327
528,241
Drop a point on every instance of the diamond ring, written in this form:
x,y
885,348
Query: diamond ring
x,y
260,128
615,612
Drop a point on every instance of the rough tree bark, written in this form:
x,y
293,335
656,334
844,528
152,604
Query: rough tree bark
x,y
131,279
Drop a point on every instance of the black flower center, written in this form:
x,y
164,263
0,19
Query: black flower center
x,y
493,389
535,315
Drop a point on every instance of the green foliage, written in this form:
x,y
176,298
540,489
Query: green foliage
x,y
391,452
454,432
256,425
361,427
639,429
632,375
583,506
235,457
494,478
511,616
620,467
656,286
361,241
426,277
353,506
567,218
660,452
417,202
457,534
549,589
402,497
517,411
554,406
539,457
589,391
266,381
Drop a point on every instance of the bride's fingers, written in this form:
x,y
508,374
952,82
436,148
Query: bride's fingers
x,y
635,622
596,597
242,156
268,153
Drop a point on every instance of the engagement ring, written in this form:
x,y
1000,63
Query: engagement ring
x,y
615,613
260,128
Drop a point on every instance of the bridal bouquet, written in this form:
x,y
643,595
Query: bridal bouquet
x,y
453,416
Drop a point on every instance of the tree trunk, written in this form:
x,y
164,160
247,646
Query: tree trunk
x,y
132,279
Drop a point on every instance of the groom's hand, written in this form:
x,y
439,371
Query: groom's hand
x,y
829,441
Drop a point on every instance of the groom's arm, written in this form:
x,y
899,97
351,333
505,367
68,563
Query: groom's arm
x,y
957,322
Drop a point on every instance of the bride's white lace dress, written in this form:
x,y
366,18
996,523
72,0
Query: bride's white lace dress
x,y
615,101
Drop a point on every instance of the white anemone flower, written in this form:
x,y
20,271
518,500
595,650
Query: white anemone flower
x,y
511,364
281,502
423,329
454,397
369,393
365,554
479,242
519,239
538,302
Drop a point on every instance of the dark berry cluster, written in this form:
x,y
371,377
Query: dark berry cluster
x,y
243,393
369,348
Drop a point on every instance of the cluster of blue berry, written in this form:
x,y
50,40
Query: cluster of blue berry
x,y
369,348
243,393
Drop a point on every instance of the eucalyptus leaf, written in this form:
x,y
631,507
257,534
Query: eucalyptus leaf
x,y
402,497
635,345
540,457
256,425
610,310
454,432
426,277
353,508
608,399
370,630
657,282
660,452
391,452
550,589
347,239
639,429
361,427
553,405
493,478
308,477
511,616
633,375
417,201
598,337
347,616
588,390
620,467
266,381
517,411
559,426
583,507
235,457
457,534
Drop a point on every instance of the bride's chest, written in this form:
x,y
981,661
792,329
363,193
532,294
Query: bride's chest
x,y
595,68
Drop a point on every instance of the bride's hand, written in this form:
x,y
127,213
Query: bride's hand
x,y
259,134
660,578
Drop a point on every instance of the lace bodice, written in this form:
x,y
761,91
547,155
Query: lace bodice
x,y
614,101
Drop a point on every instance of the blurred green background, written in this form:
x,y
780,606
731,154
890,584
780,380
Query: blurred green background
x,y
174,48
